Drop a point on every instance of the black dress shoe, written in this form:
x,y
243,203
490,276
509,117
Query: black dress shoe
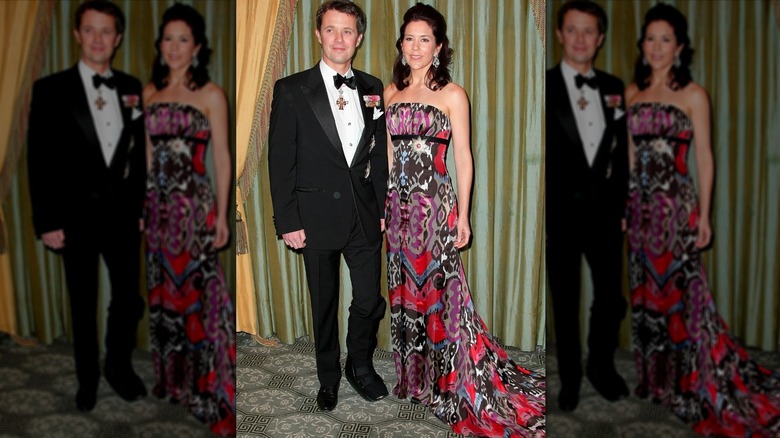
x,y
125,383
327,398
415,400
568,398
366,381
607,382
86,398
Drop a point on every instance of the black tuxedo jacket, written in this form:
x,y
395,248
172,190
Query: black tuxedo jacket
x,y
312,186
70,183
574,188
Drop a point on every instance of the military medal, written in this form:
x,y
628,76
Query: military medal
x,y
582,102
100,103
341,103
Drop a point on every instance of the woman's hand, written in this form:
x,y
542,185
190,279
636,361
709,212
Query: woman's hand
x,y
705,233
222,233
464,234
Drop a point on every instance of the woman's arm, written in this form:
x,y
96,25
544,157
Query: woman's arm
x,y
705,168
148,92
218,120
631,93
388,94
458,105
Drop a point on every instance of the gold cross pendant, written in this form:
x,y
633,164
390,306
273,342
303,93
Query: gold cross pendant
x,y
100,103
582,103
341,103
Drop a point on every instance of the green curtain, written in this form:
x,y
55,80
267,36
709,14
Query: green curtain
x,y
499,60
38,275
25,30
736,60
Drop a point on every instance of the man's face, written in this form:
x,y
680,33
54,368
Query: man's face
x,y
339,39
580,38
97,38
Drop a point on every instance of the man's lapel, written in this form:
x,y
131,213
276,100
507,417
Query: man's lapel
x,y
609,112
566,113
124,95
363,89
126,139
80,107
564,109
607,139
317,96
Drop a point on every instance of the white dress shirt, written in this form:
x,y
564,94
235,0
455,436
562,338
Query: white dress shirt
x,y
108,120
349,121
590,119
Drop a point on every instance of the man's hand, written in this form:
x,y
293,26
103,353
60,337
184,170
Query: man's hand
x,y
54,239
381,225
295,239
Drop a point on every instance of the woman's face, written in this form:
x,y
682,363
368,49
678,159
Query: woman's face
x,y
178,45
660,45
418,45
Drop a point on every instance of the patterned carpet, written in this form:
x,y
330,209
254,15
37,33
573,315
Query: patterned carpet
x,y
277,389
277,386
631,417
37,399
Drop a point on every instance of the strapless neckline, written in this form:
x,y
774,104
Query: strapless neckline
x,y
671,106
428,105
180,105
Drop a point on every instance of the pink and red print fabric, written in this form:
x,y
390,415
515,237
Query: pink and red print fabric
x,y
191,316
685,357
444,355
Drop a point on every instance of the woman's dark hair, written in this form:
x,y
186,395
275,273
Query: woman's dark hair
x,y
198,76
679,76
439,76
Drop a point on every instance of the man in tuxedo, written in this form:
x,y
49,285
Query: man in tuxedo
x,y
327,160
586,181
86,165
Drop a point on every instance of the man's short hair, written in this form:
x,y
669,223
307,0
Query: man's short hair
x,y
105,7
587,7
345,7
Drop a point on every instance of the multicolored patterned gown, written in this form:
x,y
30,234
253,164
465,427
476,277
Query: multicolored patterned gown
x,y
685,357
191,315
443,353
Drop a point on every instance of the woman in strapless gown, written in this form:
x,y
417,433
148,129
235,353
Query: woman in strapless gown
x,y
685,356
444,355
191,315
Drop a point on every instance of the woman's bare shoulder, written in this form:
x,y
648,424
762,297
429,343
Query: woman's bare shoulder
x,y
631,91
389,92
148,91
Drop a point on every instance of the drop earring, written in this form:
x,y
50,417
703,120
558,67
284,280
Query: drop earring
x,y
677,61
436,61
403,60
195,61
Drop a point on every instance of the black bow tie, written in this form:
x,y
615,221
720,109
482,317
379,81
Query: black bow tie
x,y
338,80
591,81
97,80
